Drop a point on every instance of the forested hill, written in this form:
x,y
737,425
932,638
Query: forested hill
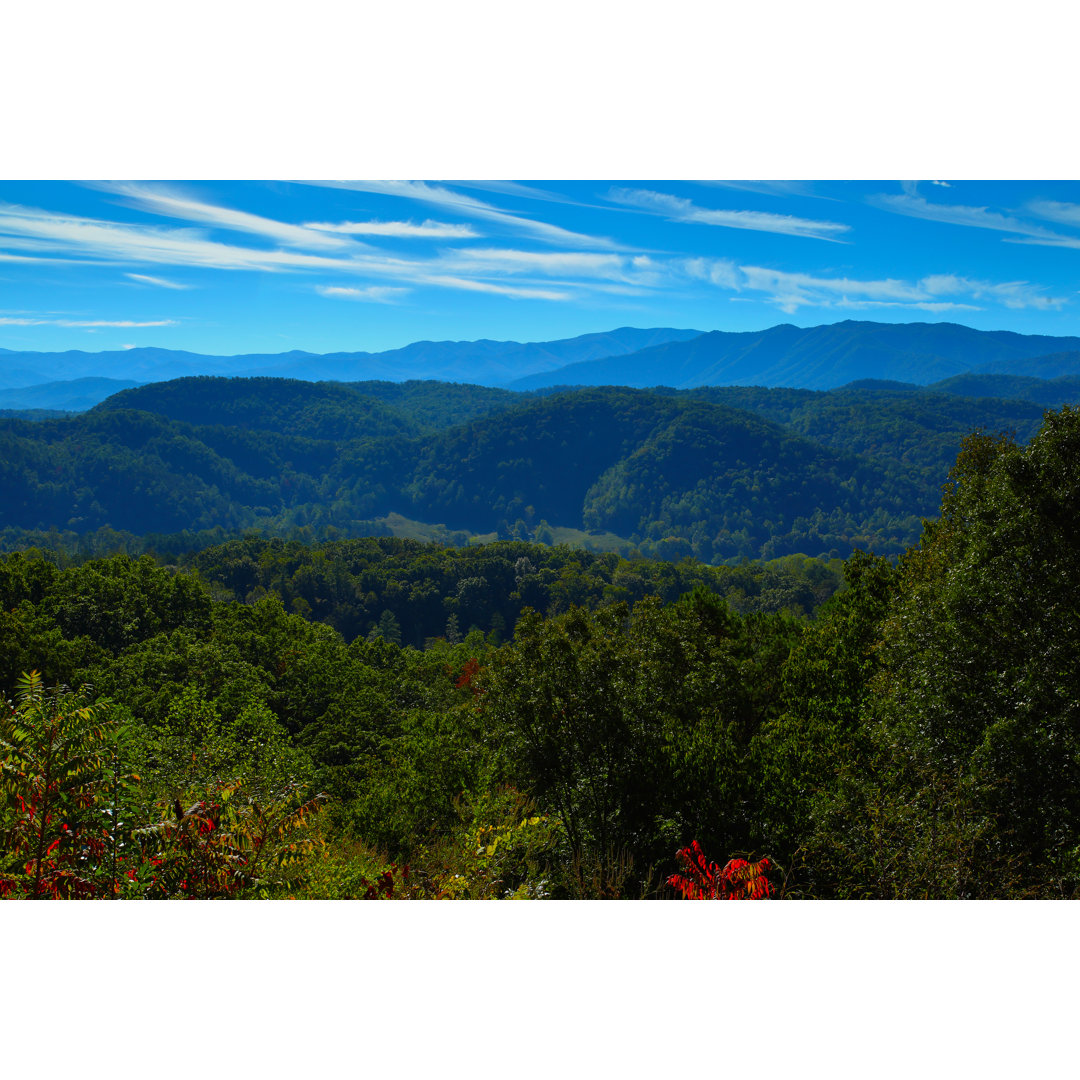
x,y
284,406
722,473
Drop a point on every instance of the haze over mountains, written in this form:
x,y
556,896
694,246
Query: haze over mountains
x,y
816,358
489,363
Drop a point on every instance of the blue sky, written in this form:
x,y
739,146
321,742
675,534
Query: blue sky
x,y
230,267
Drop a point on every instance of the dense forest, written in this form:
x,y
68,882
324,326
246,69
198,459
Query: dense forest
x,y
720,474
380,717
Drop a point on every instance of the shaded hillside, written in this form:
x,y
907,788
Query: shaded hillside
x,y
128,470
728,481
432,405
1055,365
543,455
1049,393
914,428
285,406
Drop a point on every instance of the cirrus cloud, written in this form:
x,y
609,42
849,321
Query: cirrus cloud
x,y
677,209
377,294
427,230
938,293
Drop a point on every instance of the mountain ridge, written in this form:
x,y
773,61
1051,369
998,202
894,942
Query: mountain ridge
x,y
826,357
821,357
487,362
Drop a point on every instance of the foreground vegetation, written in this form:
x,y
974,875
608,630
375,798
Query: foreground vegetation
x,y
385,718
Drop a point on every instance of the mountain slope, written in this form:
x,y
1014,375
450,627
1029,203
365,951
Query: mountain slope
x,y
285,406
820,357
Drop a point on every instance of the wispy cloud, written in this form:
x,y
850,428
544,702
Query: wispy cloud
x,y
638,269
428,230
515,291
377,294
81,237
763,187
722,272
512,187
936,293
41,230
166,202
1061,212
467,206
977,217
677,209
161,283
86,323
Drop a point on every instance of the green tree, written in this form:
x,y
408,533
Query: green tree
x,y
631,725
977,708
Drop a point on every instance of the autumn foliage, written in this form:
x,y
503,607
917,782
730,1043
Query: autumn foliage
x,y
737,879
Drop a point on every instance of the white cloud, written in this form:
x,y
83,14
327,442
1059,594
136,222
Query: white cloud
x,y
935,306
978,217
127,243
86,323
1064,213
378,294
791,291
676,209
801,288
41,230
7,257
722,272
426,230
467,206
518,292
162,283
1056,241
512,187
577,263
763,187
167,203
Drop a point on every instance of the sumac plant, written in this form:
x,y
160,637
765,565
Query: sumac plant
x,y
737,879
55,830
225,845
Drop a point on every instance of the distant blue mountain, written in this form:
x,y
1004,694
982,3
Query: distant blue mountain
x,y
825,357
489,363
70,395
814,358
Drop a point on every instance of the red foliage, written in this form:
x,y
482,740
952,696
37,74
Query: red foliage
x,y
469,672
383,886
736,880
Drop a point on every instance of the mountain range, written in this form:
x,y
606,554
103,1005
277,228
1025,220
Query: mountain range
x,y
814,358
489,363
